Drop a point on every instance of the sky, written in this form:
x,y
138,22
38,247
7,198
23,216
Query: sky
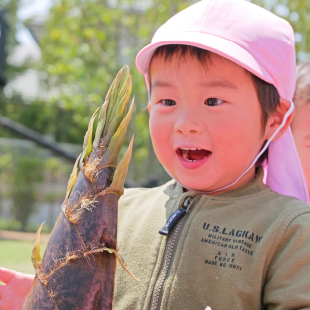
x,y
30,8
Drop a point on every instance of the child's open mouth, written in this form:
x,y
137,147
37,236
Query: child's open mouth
x,y
193,154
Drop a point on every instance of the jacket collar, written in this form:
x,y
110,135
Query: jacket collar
x,y
175,190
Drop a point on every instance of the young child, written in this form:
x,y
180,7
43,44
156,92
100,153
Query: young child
x,y
301,121
220,76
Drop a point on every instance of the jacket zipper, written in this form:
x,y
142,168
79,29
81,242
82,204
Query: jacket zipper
x,y
173,224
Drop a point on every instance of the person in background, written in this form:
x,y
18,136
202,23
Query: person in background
x,y
301,122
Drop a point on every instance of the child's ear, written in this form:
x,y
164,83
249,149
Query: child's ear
x,y
276,119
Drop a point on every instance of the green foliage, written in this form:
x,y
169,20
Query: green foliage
x,y
297,14
27,173
16,225
79,54
85,44
46,118
16,255
22,172
10,224
11,7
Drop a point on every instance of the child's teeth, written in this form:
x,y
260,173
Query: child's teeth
x,y
191,149
190,160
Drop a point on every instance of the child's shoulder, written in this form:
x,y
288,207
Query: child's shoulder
x,y
285,202
142,193
144,202
285,210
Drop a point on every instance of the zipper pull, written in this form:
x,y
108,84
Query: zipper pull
x,y
176,216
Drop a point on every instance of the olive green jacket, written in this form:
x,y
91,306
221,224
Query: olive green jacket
x,y
244,249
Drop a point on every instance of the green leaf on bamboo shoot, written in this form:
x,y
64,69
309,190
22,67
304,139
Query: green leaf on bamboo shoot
x,y
123,88
119,81
72,178
35,255
119,93
119,258
111,156
87,146
119,113
100,125
102,117
114,108
120,173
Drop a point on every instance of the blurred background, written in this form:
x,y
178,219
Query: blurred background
x,y
57,60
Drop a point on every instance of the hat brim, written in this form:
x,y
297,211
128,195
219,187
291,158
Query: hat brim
x,y
218,45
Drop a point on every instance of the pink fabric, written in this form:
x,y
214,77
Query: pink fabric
x,y
284,171
245,33
255,39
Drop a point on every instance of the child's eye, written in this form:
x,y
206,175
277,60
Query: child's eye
x,y
168,102
213,102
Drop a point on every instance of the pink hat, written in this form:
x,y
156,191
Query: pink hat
x,y
255,39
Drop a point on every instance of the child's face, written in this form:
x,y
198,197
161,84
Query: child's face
x,y
301,133
205,123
